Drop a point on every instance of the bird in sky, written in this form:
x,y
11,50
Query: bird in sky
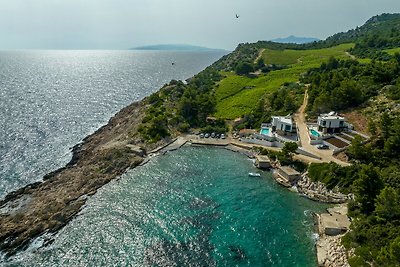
x,y
237,16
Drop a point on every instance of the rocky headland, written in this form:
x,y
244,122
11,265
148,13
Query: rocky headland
x,y
45,207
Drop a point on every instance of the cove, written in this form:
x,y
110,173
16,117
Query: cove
x,y
196,206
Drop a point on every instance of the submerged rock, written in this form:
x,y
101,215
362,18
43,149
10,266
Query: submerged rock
x,y
239,253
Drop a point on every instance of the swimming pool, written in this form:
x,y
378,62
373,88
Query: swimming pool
x,y
314,133
264,131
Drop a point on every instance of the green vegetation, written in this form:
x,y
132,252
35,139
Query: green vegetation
x,y
238,96
392,51
343,84
244,68
289,149
374,177
177,107
309,58
285,156
333,175
336,80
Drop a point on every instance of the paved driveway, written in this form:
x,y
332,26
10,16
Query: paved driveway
x,y
300,119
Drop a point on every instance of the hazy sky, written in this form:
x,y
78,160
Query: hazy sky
x,y
120,24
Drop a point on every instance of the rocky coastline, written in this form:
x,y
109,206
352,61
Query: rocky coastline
x,y
317,191
330,251
45,207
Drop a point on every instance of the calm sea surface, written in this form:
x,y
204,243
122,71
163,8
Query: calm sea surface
x,y
192,207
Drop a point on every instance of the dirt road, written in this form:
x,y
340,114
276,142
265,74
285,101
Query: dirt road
x,y
300,119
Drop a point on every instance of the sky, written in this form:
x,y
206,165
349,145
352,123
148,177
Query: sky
x,y
122,24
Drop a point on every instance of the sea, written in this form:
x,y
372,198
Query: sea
x,y
192,207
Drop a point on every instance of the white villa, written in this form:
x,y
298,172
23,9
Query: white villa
x,y
331,123
284,125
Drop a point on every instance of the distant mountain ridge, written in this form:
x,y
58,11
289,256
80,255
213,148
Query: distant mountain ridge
x,y
295,40
175,47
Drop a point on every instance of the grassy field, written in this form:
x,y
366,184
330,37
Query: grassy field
x,y
392,51
295,57
238,95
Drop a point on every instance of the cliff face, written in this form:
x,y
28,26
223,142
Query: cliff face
x,y
47,206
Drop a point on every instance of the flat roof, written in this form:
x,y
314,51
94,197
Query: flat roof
x,y
286,119
329,117
263,158
288,170
335,221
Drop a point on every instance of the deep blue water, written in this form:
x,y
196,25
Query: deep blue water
x,y
51,100
192,207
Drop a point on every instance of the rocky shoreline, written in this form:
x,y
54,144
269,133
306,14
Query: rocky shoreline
x,y
319,192
45,207
330,251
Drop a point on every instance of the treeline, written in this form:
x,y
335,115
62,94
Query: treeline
x,y
378,33
374,178
179,106
285,100
372,46
343,84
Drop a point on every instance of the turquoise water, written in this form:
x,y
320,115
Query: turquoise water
x,y
265,131
314,133
191,207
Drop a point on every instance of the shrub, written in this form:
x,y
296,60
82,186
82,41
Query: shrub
x,y
244,68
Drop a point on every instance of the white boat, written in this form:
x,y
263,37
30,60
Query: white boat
x,y
254,174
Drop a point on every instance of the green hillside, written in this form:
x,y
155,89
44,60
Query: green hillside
x,y
237,95
354,71
384,26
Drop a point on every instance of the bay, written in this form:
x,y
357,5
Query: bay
x,y
191,207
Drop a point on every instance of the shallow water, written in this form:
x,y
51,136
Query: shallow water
x,y
191,207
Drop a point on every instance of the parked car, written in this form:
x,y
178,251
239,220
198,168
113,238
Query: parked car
x,y
212,135
322,146
207,135
223,136
201,135
217,136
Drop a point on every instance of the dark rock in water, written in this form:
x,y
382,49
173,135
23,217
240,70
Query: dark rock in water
x,y
192,222
169,253
201,203
208,217
239,253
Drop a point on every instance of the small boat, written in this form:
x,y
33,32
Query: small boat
x,y
254,174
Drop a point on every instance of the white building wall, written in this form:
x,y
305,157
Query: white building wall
x,y
330,123
276,121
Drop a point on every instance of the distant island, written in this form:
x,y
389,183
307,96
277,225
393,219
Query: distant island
x,y
175,47
295,40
